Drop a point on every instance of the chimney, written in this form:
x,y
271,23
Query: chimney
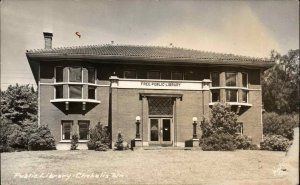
x,y
48,40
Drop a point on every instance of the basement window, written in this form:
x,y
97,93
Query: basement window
x,y
83,130
66,129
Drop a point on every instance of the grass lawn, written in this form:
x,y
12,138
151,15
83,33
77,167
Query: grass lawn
x,y
141,167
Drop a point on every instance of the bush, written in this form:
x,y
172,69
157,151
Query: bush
x,y
243,142
120,143
275,143
218,142
99,138
74,141
41,139
274,124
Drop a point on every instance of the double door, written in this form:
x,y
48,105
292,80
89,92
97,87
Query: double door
x,y
160,132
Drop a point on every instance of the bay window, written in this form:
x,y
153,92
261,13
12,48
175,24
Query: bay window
x,y
59,74
91,92
245,80
58,91
91,75
215,95
244,96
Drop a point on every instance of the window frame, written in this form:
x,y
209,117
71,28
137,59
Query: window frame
x,y
211,97
127,70
95,74
219,78
75,85
71,129
237,95
88,135
177,72
154,71
81,73
55,81
236,80
246,79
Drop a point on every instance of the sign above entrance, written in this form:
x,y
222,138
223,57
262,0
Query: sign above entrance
x,y
158,84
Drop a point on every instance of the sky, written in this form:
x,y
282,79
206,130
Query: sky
x,y
249,28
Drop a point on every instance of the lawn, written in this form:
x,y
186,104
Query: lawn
x,y
141,167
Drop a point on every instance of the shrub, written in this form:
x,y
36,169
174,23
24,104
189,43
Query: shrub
x,y
41,139
275,143
274,124
120,143
99,138
218,142
243,142
74,141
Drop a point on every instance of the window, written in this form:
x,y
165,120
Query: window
x,y
153,75
177,76
231,95
245,79
215,78
66,129
215,95
58,91
83,130
130,74
75,74
75,91
91,92
91,75
230,79
59,74
245,96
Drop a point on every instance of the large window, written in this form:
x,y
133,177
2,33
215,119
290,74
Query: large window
x,y
230,79
153,74
75,74
91,75
75,91
83,130
245,79
59,74
58,91
231,95
177,75
66,129
215,78
91,92
130,74
215,95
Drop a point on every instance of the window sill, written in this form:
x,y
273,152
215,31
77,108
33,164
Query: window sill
x,y
233,103
74,100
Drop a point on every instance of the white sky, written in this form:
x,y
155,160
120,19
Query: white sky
x,y
251,28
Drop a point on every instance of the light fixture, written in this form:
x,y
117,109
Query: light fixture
x,y
195,119
138,118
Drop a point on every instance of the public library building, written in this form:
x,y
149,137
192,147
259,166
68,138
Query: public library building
x,y
152,95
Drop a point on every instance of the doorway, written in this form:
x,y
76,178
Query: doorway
x,y
160,131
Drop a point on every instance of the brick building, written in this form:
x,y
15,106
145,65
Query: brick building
x,y
164,89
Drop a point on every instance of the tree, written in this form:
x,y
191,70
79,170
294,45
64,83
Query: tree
x,y
280,83
19,103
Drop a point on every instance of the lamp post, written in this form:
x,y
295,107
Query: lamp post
x,y
194,127
138,136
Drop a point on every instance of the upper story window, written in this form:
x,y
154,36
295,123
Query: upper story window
x,y
91,92
230,78
244,96
177,75
153,74
215,95
58,91
75,74
245,79
215,78
91,75
59,74
231,95
130,74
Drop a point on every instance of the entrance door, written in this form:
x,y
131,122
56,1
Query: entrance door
x,y
160,131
